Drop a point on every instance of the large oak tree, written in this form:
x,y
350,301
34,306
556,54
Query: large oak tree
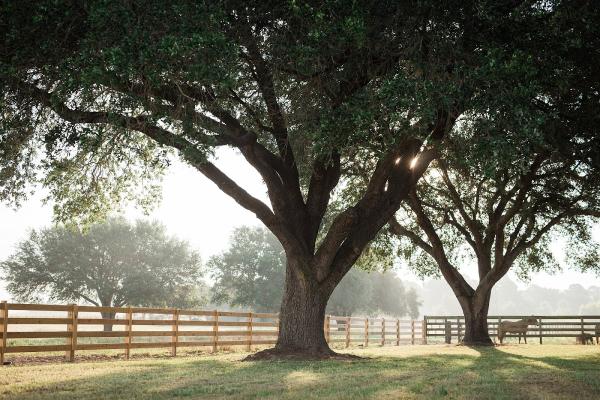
x,y
298,88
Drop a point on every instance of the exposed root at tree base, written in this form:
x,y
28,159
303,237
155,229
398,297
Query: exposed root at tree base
x,y
483,343
276,354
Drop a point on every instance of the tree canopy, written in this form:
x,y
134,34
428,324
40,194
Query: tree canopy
x,y
112,264
251,272
502,220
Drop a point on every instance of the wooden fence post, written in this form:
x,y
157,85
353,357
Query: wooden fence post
x,y
327,328
540,323
175,330
412,331
383,331
398,332
458,330
249,348
498,327
447,331
582,329
348,322
424,332
72,327
4,331
129,334
366,331
216,331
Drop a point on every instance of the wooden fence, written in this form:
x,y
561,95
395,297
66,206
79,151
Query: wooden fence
x,y
549,326
72,328
373,331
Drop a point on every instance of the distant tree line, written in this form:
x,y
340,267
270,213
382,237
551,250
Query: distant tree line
x,y
118,263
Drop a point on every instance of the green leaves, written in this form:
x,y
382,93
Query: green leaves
x,y
250,273
104,169
111,264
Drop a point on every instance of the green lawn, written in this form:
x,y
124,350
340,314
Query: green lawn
x,y
419,372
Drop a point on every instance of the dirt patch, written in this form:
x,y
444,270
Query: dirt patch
x,y
276,354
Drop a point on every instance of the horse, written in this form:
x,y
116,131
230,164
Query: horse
x,y
519,327
584,338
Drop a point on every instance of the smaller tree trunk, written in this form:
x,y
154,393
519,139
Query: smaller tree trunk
x,y
108,315
475,310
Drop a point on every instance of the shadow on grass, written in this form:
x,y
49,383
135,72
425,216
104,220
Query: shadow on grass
x,y
491,373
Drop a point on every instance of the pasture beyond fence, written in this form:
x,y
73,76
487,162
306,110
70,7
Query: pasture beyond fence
x,y
549,326
73,328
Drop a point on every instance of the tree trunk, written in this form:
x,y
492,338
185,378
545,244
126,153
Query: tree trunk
x,y
301,320
475,310
302,317
108,315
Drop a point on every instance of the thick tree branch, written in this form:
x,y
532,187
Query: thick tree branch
x,y
163,137
470,223
522,187
389,185
512,239
453,221
264,78
324,178
453,277
501,268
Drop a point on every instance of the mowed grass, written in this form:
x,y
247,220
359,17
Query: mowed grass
x,y
411,372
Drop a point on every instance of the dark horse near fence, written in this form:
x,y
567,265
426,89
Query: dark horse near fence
x,y
519,327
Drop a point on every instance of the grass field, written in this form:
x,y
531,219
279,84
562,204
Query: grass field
x,y
412,372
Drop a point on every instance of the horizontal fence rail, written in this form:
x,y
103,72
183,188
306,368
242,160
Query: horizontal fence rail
x,y
30,328
548,326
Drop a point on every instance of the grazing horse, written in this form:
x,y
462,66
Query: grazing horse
x,y
520,327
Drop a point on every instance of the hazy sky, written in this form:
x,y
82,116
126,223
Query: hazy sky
x,y
196,210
